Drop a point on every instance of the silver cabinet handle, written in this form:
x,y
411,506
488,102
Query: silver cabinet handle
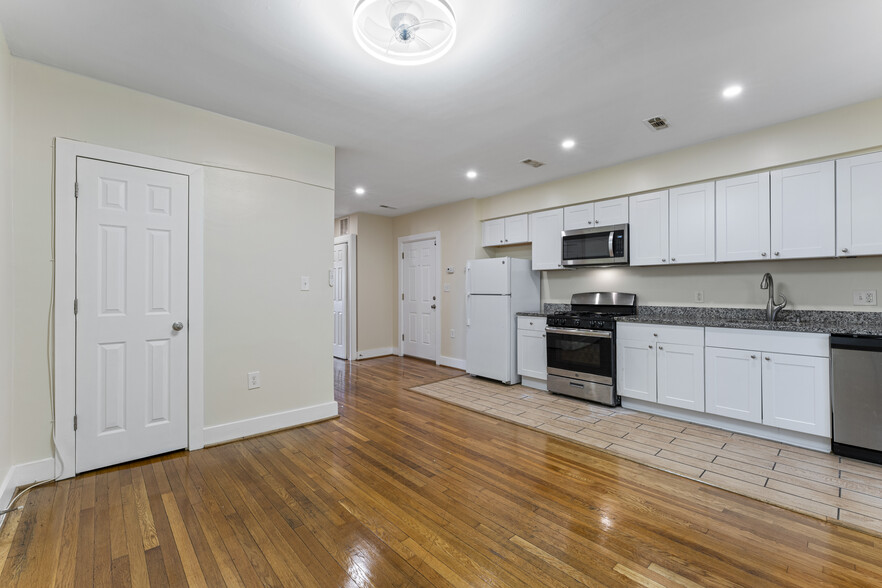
x,y
663,260
433,307
777,253
650,346
768,359
655,334
673,259
764,253
660,348
753,357
845,249
531,323
179,326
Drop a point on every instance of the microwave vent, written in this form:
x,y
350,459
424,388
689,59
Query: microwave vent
x,y
532,163
657,123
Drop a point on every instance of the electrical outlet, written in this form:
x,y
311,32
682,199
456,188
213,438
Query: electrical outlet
x,y
699,296
864,297
304,282
452,333
253,380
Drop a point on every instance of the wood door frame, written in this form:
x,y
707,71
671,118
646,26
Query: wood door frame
x,y
64,323
352,291
401,242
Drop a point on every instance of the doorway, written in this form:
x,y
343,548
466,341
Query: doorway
x,y
129,350
419,315
343,280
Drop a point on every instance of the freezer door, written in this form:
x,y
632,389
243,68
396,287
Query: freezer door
x,y
489,337
488,276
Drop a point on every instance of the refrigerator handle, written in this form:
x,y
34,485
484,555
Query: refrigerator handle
x,y
468,279
468,310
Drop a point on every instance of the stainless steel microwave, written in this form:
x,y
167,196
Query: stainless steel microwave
x,y
596,246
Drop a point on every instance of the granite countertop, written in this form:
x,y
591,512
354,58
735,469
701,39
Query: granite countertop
x,y
804,321
537,314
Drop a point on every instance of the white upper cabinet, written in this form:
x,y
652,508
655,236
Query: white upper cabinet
x,y
546,228
649,228
506,231
803,211
580,216
517,229
743,229
493,232
692,223
611,212
859,205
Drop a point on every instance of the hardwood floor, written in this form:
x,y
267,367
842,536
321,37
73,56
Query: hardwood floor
x,y
406,490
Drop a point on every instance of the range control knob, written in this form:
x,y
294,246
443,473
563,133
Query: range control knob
x,y
577,323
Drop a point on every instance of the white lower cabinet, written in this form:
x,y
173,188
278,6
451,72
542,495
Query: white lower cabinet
x,y
796,393
532,352
661,364
734,386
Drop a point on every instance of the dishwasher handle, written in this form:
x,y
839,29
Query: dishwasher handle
x,y
856,342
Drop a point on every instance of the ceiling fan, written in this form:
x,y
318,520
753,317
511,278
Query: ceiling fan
x,y
404,32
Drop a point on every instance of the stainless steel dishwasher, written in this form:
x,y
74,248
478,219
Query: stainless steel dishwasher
x,y
857,396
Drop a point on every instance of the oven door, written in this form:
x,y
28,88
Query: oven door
x,y
581,354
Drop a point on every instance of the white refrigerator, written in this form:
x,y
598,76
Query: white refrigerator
x,y
496,290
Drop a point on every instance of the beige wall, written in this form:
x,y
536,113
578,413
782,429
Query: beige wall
x,y
267,229
6,273
376,276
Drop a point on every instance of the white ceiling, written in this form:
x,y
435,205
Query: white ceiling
x,y
524,75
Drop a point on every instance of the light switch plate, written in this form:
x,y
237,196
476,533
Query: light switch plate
x,y
253,380
304,282
864,297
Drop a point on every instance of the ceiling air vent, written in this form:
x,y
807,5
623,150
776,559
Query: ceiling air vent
x,y
389,207
657,123
532,163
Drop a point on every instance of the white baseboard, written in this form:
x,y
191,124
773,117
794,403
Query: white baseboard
x,y
534,383
378,352
453,362
267,423
24,474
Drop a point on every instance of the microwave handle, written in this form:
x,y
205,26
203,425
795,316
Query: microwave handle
x,y
611,235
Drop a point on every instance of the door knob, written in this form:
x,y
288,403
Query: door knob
x,y
433,307
179,326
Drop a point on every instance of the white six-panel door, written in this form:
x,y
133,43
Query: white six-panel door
x,y
132,257
420,274
341,320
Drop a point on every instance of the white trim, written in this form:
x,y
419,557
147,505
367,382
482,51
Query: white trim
x,y
436,235
453,362
378,352
712,420
24,474
352,303
534,383
66,153
270,422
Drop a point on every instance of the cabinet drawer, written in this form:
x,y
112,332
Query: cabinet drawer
x,y
531,323
661,333
815,344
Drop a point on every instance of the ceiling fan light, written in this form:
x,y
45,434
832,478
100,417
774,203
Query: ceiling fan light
x,y
404,32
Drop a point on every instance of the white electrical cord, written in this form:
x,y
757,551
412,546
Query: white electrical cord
x,y
50,360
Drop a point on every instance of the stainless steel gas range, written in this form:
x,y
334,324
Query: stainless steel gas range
x,y
581,345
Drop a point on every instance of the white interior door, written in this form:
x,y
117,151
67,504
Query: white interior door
x,y
341,305
132,316
419,305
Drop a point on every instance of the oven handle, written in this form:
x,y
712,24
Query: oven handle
x,y
580,333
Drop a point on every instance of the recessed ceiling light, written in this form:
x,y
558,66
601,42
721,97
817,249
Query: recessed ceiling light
x,y
732,91
568,144
471,174
359,191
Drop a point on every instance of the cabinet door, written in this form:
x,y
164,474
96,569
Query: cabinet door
x,y
493,232
636,369
743,218
580,216
517,229
803,215
692,223
611,212
859,205
681,376
733,384
649,228
796,393
546,228
532,354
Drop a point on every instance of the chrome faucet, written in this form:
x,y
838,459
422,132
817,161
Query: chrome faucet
x,y
772,308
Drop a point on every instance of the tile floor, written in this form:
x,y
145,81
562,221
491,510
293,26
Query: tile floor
x,y
819,484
